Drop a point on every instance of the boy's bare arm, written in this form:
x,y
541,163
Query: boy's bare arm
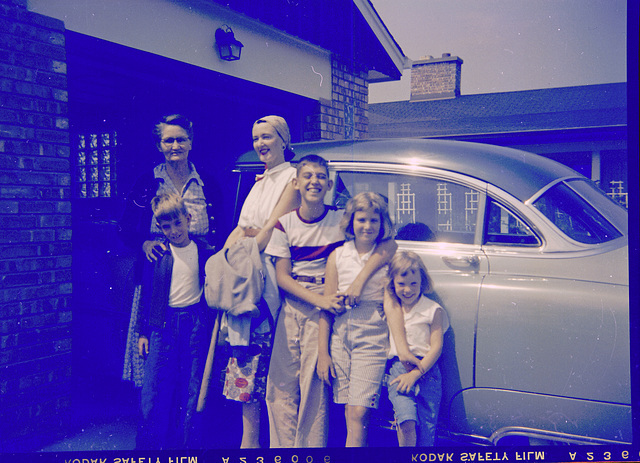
x,y
264,236
381,256
287,283
324,331
330,288
325,367
288,201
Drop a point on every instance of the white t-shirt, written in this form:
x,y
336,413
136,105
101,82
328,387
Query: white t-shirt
x,y
264,195
349,263
417,325
307,244
185,279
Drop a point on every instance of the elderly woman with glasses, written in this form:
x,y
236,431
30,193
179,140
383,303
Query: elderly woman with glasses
x,y
176,176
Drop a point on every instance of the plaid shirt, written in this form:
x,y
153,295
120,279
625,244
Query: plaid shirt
x,y
192,195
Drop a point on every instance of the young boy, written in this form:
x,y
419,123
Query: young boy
x,y
174,331
297,399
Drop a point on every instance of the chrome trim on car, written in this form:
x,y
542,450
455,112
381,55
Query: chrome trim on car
x,y
547,187
544,435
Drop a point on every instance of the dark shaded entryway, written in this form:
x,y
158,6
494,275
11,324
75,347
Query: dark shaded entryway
x,y
116,89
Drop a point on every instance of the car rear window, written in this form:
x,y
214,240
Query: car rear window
x,y
573,215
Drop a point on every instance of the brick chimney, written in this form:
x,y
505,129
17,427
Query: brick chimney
x,y
436,78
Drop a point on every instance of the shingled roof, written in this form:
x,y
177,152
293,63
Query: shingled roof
x,y
589,106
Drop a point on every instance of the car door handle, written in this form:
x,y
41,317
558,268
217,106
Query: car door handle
x,y
462,261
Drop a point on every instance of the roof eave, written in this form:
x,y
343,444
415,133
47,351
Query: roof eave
x,y
393,50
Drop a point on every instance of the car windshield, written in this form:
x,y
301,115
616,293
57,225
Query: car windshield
x,y
573,215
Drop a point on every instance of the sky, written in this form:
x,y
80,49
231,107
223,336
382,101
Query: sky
x,y
510,45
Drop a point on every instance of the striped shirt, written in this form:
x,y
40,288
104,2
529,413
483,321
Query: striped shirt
x,y
307,243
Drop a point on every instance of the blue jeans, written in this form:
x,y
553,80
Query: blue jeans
x,y
172,377
421,404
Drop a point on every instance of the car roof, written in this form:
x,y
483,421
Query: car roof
x,y
520,173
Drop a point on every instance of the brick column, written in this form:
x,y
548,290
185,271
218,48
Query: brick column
x,y
345,117
35,225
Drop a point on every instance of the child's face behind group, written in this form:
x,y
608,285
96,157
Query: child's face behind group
x,y
366,226
407,288
176,230
313,183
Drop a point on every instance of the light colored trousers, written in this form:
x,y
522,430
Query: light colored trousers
x,y
297,399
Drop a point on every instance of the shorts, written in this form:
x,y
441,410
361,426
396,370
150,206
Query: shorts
x,y
359,347
421,404
246,374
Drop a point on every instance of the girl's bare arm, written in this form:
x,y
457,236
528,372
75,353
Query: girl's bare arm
x,y
395,321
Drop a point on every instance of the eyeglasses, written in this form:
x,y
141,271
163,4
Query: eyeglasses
x,y
170,141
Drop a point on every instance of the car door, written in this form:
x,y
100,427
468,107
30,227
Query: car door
x,y
552,344
436,216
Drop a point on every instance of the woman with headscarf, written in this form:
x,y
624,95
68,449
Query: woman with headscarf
x,y
271,196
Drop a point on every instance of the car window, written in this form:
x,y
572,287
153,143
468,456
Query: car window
x,y
610,209
504,228
422,209
573,215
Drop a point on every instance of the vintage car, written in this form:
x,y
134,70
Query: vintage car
x,y
529,259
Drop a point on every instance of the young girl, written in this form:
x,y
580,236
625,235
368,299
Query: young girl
x,y
355,363
414,391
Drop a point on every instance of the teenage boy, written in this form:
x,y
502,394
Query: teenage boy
x,y
297,399
174,331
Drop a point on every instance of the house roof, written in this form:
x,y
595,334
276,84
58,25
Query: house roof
x,y
350,28
589,106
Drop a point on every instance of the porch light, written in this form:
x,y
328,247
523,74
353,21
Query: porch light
x,y
228,46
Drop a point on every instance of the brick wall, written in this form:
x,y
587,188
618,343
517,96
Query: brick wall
x,y
35,224
345,116
436,78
